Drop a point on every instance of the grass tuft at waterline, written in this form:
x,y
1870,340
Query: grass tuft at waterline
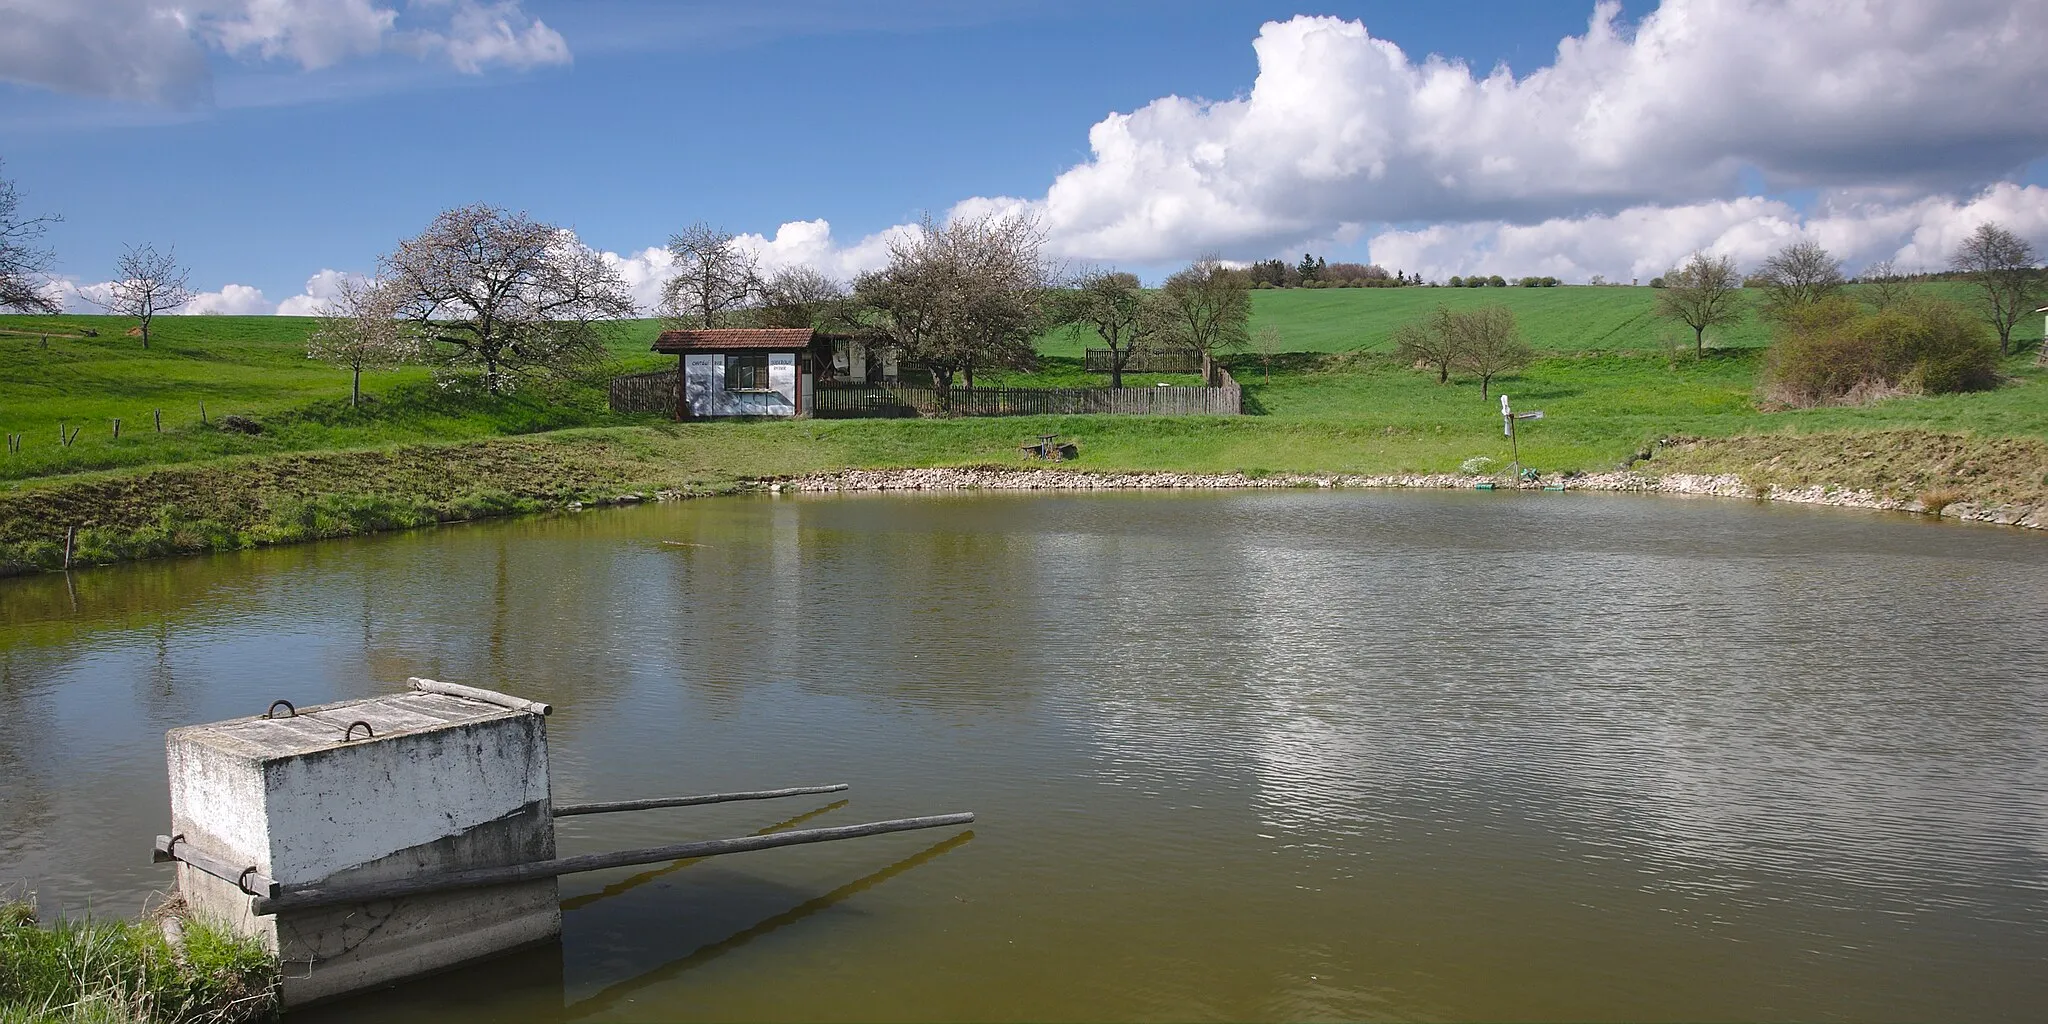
x,y
128,972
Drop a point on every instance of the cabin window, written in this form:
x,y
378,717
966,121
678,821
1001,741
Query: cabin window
x,y
747,371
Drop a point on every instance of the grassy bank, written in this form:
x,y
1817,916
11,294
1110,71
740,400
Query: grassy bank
x,y
419,454
120,972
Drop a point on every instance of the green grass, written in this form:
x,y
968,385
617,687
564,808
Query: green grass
x,y
1581,318
255,367
418,454
123,972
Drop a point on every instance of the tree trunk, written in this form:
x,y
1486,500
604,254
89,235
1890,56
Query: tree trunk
x,y
1117,359
145,334
1699,342
355,389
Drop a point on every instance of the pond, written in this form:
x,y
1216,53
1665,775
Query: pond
x,y
1235,755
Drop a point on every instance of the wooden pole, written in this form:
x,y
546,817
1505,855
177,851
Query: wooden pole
x,y
318,896
202,414
117,428
503,700
1515,441
70,534
566,810
248,878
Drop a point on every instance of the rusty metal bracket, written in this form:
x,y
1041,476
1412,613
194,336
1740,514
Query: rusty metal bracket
x,y
285,704
247,879
348,734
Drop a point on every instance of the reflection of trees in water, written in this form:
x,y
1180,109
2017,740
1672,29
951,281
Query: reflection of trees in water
x,y
28,742
1702,709
823,592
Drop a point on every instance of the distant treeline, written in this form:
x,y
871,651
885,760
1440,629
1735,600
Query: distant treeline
x,y
1316,272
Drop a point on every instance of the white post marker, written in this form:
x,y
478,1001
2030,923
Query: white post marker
x,y
1507,426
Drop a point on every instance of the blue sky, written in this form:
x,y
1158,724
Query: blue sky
x,y
656,113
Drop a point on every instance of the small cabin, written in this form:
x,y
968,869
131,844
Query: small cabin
x,y
743,371
770,371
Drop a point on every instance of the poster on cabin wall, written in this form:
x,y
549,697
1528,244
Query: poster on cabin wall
x,y
782,374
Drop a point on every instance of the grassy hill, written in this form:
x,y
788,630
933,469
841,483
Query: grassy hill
x,y
85,371
1563,319
1610,386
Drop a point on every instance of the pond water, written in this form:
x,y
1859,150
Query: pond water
x,y
1235,755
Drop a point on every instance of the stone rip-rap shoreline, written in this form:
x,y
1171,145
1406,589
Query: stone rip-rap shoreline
x,y
1722,485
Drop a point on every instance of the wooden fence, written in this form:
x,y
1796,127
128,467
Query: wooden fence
x,y
645,392
1098,360
656,393
891,400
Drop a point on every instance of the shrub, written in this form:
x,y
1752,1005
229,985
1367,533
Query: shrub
x,y
1456,281
1834,351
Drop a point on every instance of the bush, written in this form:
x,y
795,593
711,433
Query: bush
x,y
1456,281
1834,351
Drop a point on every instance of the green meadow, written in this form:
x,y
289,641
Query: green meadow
x,y
1611,380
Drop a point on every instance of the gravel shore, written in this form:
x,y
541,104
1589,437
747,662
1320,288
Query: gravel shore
x,y
1724,486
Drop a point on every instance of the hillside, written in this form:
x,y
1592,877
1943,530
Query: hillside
x,y
1610,387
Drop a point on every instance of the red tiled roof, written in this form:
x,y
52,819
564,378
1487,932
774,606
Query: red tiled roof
x,y
782,338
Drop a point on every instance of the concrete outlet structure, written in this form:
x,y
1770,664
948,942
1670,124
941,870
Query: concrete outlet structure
x,y
441,783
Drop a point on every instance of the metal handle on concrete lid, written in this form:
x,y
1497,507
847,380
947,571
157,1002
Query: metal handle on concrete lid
x,y
478,693
285,704
348,735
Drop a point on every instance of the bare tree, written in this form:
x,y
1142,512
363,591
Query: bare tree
x,y
802,296
1116,307
1207,307
714,277
1433,341
1267,343
23,264
1704,292
146,283
1489,344
360,330
2002,265
1797,275
506,293
1886,287
970,293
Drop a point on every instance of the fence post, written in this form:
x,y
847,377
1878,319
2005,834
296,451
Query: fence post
x,y
202,414
70,534
117,428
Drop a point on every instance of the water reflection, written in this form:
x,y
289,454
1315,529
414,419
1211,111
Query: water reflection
x,y
1276,755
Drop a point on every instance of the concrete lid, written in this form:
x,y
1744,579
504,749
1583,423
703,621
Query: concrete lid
x,y
321,727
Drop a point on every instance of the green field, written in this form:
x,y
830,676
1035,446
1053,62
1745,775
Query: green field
x,y
1338,404
254,367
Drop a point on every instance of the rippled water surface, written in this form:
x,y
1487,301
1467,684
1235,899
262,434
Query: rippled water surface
x,y
1288,755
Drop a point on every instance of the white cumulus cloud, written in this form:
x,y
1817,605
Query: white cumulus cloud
x,y
1341,129
1642,242
230,300
320,289
156,52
